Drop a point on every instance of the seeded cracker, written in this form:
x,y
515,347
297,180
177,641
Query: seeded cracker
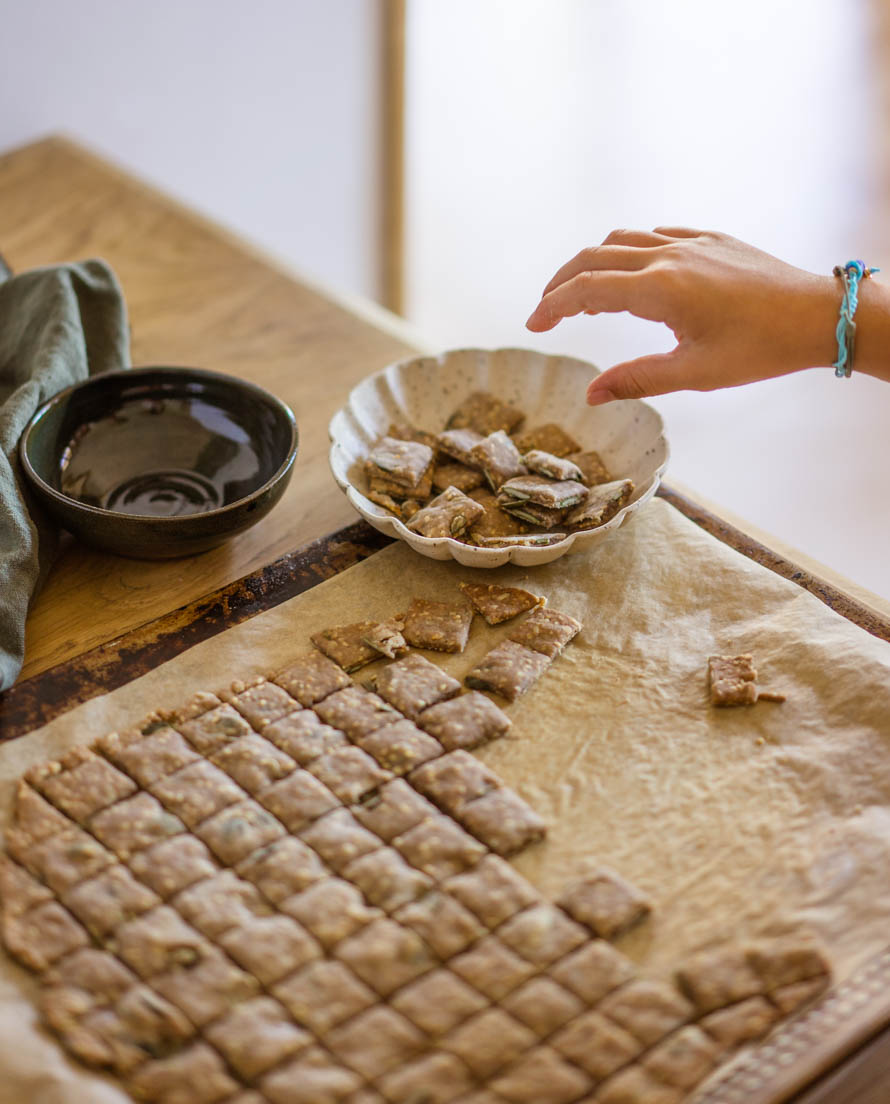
x,y
438,626
542,517
493,521
546,631
592,468
503,821
346,645
499,603
404,463
508,669
414,683
447,475
312,677
459,445
601,504
605,903
485,413
356,711
554,467
448,515
403,431
547,438
498,459
536,489
465,721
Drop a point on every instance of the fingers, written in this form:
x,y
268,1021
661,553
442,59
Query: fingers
x,y
638,379
623,258
679,232
596,292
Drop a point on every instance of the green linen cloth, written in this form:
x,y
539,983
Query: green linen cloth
x,y
58,325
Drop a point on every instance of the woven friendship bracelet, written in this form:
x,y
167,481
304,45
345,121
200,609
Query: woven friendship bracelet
x,y
851,273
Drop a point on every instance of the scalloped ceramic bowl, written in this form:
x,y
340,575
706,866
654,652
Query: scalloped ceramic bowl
x,y
424,390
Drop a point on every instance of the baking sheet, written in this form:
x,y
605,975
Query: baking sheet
x,y
736,822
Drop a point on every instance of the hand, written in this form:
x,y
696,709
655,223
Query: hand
x,y
738,314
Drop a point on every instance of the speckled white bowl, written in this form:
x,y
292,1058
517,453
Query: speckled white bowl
x,y
424,390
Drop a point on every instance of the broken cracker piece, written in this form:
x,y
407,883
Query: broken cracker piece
x,y
499,603
346,645
539,462
732,680
601,504
386,638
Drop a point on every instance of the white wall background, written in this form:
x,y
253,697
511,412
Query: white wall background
x,y
535,127
263,115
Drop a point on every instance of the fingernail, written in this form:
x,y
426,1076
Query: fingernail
x,y
600,395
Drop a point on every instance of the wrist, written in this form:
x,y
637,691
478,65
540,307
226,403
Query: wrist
x,y
872,355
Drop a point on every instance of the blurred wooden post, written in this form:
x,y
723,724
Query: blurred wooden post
x,y
392,158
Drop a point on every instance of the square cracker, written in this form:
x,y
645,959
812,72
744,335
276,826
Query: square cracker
x,y
534,514
499,603
109,899
346,646
298,800
150,758
304,736
400,747
543,1005
81,784
454,780
212,730
438,626
549,437
283,868
732,680
592,468
605,903
404,463
63,860
393,809
219,903
375,1041
439,847
331,909
537,489
262,702
458,475
449,514
257,1035
253,762
414,683
239,829
207,988
198,1066
488,1041
498,459
442,922
596,1044
594,970
649,1010
339,838
356,711
540,462
323,994
197,792
493,891
135,823
601,504
541,1074
314,1075
542,934
492,968
493,521
485,413
465,721
385,879
42,935
438,1001
311,677
435,1077
270,947
385,955
173,864
509,669
546,631
503,821
349,773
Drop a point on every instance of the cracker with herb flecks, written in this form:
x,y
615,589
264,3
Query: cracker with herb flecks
x,y
550,438
601,504
503,821
448,515
414,683
485,413
465,721
438,626
498,459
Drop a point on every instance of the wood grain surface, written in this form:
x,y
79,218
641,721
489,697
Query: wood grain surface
x,y
196,296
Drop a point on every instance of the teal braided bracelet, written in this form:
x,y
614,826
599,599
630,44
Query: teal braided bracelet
x,y
851,273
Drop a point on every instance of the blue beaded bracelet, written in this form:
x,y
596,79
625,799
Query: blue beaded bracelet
x,y
851,273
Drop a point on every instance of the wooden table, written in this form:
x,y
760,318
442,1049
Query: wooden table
x,y
200,297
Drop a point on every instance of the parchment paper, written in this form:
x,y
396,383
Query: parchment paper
x,y
737,822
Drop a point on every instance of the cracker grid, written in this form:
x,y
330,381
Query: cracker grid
x,y
539,951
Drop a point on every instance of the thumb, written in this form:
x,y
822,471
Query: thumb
x,y
637,379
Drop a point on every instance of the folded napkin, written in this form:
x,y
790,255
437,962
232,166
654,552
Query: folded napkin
x,y
58,325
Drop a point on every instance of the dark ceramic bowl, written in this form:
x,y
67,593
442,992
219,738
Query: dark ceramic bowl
x,y
156,463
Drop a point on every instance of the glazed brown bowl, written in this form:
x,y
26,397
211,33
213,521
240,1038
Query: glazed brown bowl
x,y
160,462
